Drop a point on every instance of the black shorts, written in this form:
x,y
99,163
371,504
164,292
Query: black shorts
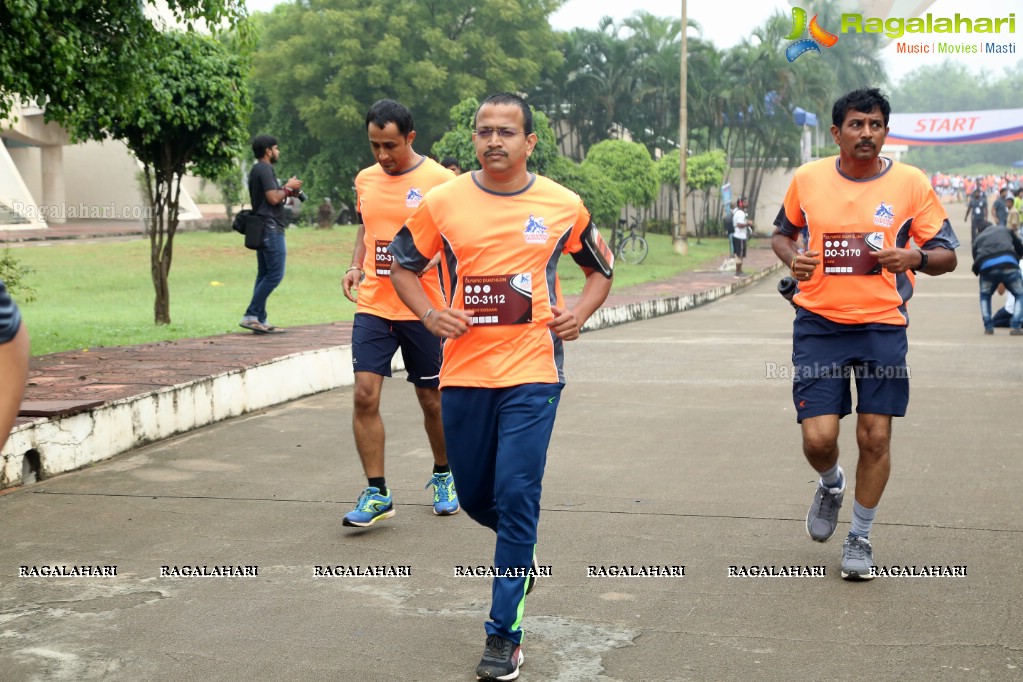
x,y
739,246
375,341
826,355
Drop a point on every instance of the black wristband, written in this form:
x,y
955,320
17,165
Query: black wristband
x,y
923,262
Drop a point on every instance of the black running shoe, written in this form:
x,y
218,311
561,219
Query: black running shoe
x,y
501,660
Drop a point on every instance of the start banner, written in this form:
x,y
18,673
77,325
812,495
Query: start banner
x,y
959,127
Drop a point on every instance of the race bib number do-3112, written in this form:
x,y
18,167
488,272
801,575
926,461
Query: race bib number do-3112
x,y
499,299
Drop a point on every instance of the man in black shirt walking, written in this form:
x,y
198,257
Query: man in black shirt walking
x,y
267,196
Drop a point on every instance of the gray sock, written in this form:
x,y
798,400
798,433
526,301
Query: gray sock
x,y
862,520
832,478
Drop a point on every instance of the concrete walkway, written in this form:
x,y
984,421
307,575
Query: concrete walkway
x,y
84,407
676,445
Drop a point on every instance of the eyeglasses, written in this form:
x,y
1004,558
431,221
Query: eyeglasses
x,y
487,133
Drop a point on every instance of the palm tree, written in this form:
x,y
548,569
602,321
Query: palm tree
x,y
854,62
657,41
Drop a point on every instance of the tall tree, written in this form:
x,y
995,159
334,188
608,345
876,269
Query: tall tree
x,y
322,63
657,42
457,141
762,88
192,119
76,58
704,173
854,62
629,166
602,197
599,82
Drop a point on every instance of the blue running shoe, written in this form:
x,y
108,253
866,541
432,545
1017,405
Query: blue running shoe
x,y
445,499
371,507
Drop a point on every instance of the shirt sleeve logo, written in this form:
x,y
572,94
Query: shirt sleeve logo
x,y
884,216
536,231
414,196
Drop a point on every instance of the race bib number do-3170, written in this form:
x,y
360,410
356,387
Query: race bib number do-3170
x,y
852,253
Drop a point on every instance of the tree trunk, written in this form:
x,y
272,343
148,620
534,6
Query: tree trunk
x,y
165,195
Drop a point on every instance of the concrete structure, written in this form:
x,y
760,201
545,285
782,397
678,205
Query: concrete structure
x,y
47,180
44,179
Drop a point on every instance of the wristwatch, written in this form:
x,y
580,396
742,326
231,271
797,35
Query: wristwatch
x,y
923,262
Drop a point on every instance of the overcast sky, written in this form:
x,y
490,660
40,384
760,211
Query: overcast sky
x,y
727,22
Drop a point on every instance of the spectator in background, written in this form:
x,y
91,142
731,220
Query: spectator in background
x,y
1014,215
267,197
325,215
13,362
996,255
742,229
451,163
976,212
999,208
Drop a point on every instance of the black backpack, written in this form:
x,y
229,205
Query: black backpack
x,y
729,222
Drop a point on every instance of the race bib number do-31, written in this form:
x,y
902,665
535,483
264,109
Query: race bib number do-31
x,y
499,299
852,253
383,258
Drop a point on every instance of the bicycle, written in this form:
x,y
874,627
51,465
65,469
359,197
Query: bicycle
x,y
629,247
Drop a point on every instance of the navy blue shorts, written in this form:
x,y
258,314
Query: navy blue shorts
x,y
376,340
826,355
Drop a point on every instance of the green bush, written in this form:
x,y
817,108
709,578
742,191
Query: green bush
x,y
13,273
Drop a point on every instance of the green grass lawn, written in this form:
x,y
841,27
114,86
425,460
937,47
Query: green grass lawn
x,y
100,294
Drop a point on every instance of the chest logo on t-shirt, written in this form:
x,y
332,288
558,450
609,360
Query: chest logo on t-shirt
x,y
414,196
884,216
536,231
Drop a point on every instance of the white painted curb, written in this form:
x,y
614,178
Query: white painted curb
x,y
68,443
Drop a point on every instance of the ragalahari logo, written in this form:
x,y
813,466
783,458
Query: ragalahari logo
x,y
818,36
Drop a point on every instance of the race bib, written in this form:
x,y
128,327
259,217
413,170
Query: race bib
x,y
383,258
499,299
851,253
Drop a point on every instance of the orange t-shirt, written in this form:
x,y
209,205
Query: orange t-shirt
x,y
848,219
384,201
501,257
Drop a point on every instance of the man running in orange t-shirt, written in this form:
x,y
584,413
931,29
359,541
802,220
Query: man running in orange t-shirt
x,y
855,279
387,193
502,231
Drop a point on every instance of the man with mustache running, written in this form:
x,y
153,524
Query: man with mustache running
x,y
502,230
855,279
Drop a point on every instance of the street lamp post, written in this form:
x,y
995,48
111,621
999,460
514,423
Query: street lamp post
x,y
679,241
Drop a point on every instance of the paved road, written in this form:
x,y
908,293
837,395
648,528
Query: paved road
x,y
674,446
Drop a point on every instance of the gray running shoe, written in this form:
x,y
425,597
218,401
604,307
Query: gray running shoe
x,y
822,519
857,558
